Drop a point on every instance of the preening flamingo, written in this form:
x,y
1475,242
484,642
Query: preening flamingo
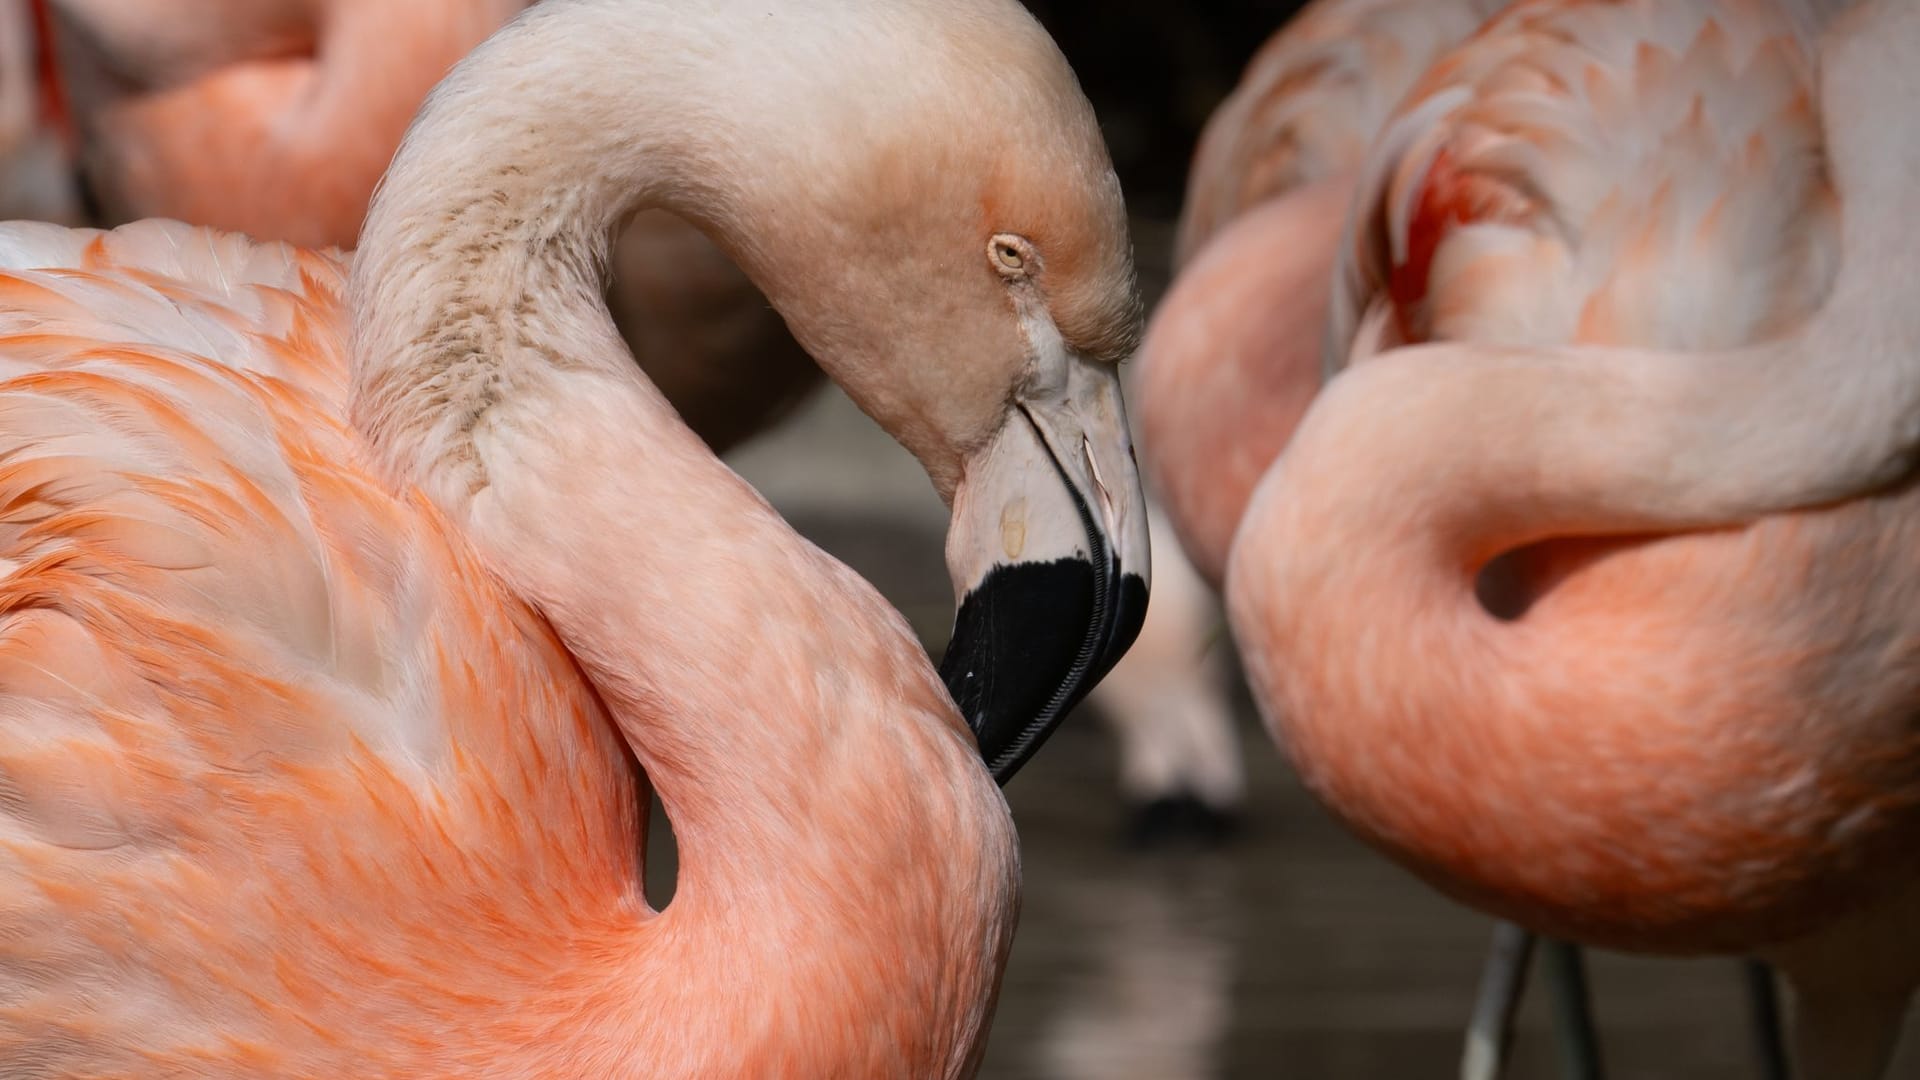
x,y
274,118
1232,357
328,656
1688,725
700,329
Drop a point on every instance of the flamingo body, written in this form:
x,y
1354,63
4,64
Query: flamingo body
x,y
261,707
274,118
1722,158
1689,742
1310,100
1233,353
214,626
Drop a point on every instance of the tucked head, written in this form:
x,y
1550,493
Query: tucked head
x,y
950,243
918,187
951,190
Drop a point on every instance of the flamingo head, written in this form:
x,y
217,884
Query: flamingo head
x,y
962,268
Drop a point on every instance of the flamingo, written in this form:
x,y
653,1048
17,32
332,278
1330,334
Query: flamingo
x,y
702,332
1651,244
341,605
1231,359
274,118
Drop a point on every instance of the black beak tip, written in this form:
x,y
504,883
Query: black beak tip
x,y
1030,640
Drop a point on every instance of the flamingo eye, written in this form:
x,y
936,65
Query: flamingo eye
x,y
1011,256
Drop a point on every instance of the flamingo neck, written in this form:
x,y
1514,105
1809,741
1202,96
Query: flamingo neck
x,y
797,736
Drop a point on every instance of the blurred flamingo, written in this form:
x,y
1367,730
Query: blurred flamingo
x,y
329,651
276,119
1167,704
1233,356
1561,629
34,178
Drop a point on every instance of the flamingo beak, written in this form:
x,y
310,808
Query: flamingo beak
x,y
1048,553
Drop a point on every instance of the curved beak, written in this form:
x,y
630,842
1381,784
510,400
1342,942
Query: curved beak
x,y
1048,552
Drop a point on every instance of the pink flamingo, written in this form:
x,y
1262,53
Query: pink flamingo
x,y
703,333
1677,716
274,118
331,633
1232,357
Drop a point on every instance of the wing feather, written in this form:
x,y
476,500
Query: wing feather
x,y
1586,171
248,698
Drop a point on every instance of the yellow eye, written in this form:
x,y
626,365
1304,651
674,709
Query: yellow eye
x,y
1011,255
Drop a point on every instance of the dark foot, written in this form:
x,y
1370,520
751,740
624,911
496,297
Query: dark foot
x,y
1180,821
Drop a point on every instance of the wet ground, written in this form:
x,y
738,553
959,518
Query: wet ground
x,y
1294,952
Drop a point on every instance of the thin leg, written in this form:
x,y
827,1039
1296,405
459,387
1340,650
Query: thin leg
x,y
1763,1005
1573,1012
1502,981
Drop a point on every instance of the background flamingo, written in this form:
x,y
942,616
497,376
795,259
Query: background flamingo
x,y
1225,370
276,120
34,179
1232,359
298,782
1695,741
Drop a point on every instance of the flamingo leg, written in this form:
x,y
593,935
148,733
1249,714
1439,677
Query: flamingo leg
x,y
1573,1011
1502,981
1763,1005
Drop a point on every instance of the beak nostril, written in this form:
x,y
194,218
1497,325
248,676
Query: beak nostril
x,y
1107,512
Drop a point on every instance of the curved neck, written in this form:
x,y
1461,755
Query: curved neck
x,y
792,726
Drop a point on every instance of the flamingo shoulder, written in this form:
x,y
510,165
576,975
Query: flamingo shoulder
x,y
246,693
